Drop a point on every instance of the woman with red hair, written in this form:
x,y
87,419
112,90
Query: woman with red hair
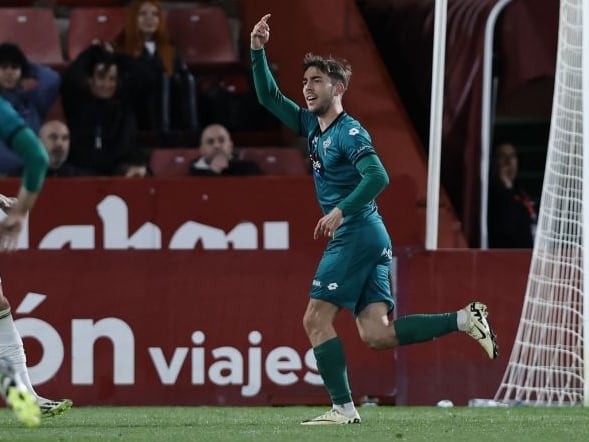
x,y
145,38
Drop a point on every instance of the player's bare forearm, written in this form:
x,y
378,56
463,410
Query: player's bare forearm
x,y
24,202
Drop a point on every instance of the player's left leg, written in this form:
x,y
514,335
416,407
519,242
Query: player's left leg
x,y
12,348
17,396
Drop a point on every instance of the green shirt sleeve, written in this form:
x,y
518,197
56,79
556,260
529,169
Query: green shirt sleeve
x,y
28,146
269,95
374,180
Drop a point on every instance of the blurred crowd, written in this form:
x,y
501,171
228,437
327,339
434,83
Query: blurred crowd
x,y
117,100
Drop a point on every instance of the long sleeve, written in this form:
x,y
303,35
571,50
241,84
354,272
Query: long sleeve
x,y
374,180
269,95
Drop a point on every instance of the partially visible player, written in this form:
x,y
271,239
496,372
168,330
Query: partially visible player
x,y
18,398
23,141
353,273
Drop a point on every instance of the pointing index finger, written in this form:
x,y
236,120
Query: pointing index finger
x,y
265,18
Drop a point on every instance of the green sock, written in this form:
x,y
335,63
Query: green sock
x,y
420,328
331,362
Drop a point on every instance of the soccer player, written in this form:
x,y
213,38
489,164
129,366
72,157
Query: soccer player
x,y
22,140
17,396
354,270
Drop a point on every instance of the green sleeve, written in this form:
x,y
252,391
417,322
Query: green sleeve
x,y
269,95
374,180
28,146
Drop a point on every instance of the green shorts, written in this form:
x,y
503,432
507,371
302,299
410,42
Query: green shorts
x,y
355,268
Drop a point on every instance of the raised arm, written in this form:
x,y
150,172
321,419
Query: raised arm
x,y
266,88
28,146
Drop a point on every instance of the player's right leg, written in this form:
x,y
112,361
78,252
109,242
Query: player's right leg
x,y
12,348
335,416
331,363
18,398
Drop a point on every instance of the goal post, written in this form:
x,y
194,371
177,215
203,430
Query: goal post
x,y
548,364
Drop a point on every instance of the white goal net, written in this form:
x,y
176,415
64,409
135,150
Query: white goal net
x,y
546,365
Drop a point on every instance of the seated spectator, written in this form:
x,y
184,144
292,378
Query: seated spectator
x,y
55,135
512,214
169,103
98,93
217,157
31,89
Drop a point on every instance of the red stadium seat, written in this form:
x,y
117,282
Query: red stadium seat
x,y
35,31
17,3
173,161
75,3
277,160
87,24
202,35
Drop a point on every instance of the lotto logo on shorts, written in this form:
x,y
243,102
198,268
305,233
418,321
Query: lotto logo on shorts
x,y
332,286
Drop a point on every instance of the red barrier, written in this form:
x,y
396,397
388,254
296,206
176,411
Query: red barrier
x,y
192,292
179,291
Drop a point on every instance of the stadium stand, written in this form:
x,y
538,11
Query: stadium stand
x,y
168,162
83,3
87,24
276,160
35,31
202,35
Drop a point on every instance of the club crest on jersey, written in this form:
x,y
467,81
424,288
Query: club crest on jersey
x,y
326,144
353,131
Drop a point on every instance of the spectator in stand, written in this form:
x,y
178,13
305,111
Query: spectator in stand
x,y
31,89
217,157
55,136
165,104
512,213
99,91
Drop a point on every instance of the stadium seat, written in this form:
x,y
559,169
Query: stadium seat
x,y
75,3
87,24
202,36
35,31
17,3
172,162
277,160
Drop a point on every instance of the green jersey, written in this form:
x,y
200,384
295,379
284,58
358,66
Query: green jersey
x,y
354,269
334,154
20,138
340,155
10,122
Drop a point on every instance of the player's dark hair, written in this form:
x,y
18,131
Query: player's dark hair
x,y
337,69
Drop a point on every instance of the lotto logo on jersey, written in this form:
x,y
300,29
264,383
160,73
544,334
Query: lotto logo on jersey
x,y
353,131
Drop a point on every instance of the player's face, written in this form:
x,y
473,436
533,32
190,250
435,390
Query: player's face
x,y
10,75
56,139
103,83
215,140
318,90
148,20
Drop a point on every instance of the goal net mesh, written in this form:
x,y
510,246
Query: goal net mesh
x,y
546,363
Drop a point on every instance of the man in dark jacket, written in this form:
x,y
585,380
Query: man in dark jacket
x,y
217,156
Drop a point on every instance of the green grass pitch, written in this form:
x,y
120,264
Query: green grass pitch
x,y
261,424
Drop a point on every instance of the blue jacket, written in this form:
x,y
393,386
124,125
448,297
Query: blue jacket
x,y
33,106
